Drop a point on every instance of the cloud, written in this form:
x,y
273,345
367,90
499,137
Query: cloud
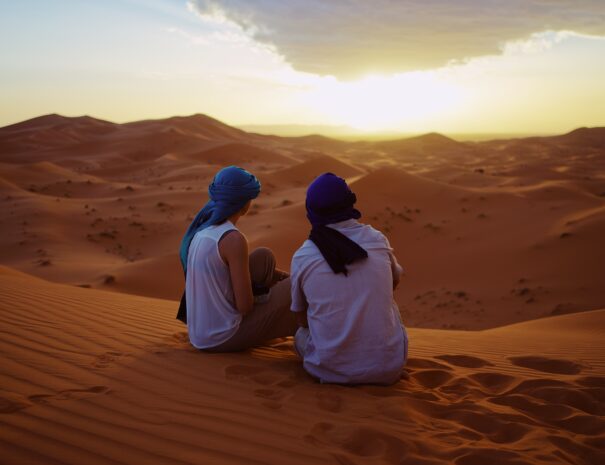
x,y
349,38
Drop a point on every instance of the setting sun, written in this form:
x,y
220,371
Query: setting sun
x,y
249,66
385,102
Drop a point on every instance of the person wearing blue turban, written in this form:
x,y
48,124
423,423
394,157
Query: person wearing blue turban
x,y
343,279
232,300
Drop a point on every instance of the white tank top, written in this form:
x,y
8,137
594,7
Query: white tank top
x,y
211,314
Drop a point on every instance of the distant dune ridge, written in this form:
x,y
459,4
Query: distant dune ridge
x,y
510,225
503,236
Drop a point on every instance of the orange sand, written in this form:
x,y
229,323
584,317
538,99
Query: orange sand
x,y
504,234
99,377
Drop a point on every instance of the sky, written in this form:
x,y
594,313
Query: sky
x,y
409,66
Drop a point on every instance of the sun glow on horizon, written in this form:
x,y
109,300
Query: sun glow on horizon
x,y
377,102
154,59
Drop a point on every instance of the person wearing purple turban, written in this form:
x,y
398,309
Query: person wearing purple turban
x,y
343,277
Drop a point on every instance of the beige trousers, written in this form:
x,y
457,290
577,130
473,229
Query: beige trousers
x,y
271,316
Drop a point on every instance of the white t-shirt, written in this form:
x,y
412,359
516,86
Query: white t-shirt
x,y
355,332
211,314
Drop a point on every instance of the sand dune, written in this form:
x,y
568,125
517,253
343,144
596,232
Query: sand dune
x,y
471,252
303,173
502,234
582,138
427,143
197,125
238,153
57,130
105,377
490,233
41,172
160,277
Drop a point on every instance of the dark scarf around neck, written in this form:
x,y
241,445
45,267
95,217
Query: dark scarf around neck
x,y
337,249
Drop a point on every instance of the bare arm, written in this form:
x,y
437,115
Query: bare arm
x,y
234,251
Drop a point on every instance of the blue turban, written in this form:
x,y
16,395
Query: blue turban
x,y
231,188
329,200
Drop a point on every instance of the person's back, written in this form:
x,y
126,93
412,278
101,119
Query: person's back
x,y
343,278
233,299
212,317
355,333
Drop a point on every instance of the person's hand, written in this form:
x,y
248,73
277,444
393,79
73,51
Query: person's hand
x,y
279,275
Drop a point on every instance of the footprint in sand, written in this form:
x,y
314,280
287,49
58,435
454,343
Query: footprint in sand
x,y
561,394
591,451
383,391
465,361
490,456
241,371
11,402
347,442
494,383
270,396
538,411
329,402
558,415
257,374
283,376
592,381
69,394
547,365
181,337
106,359
500,428
458,388
432,378
414,363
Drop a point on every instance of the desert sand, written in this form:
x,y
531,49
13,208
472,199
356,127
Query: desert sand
x,y
99,377
503,247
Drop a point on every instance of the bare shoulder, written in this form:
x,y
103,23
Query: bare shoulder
x,y
233,244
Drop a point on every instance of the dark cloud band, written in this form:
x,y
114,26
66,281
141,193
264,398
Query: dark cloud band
x,y
347,38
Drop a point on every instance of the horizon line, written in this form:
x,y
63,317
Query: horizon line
x,y
342,133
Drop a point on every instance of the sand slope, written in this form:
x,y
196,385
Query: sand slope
x,y
239,154
490,233
302,174
99,377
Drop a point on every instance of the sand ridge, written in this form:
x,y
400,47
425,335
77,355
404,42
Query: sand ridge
x,y
109,377
490,233
503,237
